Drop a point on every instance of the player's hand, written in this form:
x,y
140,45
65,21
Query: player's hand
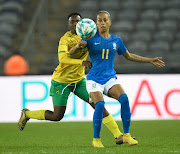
x,y
157,62
87,64
81,44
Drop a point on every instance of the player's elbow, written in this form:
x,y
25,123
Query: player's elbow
x,y
62,58
128,57
71,53
73,50
62,61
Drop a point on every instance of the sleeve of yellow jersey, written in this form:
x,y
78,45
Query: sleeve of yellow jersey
x,y
63,54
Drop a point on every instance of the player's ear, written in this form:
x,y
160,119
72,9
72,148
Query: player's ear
x,y
110,22
68,24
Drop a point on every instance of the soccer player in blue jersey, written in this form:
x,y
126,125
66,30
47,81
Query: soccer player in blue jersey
x,y
102,76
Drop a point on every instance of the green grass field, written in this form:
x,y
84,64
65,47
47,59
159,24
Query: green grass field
x,y
75,137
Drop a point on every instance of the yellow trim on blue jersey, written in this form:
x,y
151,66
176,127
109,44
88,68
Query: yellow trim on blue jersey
x,y
107,53
103,51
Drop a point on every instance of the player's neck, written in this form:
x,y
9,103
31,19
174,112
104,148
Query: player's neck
x,y
105,34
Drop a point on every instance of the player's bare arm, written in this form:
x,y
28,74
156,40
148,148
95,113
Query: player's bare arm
x,y
155,61
77,47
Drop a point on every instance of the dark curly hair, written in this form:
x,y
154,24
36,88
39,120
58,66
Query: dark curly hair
x,y
74,13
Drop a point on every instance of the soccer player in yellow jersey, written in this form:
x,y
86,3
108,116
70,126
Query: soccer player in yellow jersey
x,y
69,77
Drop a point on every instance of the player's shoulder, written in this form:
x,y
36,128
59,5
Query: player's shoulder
x,y
67,35
115,37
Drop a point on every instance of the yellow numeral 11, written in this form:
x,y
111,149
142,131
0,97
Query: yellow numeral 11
x,y
103,53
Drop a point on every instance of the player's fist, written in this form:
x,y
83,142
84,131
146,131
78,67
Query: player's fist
x,y
87,64
81,44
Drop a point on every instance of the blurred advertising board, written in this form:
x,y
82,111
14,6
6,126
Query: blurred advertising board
x,y
152,97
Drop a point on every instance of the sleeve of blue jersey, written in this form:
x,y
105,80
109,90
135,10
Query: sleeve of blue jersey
x,y
122,49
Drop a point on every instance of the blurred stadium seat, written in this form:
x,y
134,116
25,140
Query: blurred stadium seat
x,y
178,36
167,25
150,14
176,47
90,5
171,14
125,26
5,40
147,27
154,4
145,36
137,46
3,50
130,4
6,28
163,36
129,15
106,5
9,17
173,4
160,46
14,6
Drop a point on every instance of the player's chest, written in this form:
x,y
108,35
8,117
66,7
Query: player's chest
x,y
104,47
72,42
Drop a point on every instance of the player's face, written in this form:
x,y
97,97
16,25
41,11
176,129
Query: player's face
x,y
103,22
72,22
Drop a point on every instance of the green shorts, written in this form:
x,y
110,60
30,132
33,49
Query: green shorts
x,y
61,91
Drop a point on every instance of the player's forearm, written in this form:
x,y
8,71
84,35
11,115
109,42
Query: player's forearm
x,y
69,61
137,58
74,49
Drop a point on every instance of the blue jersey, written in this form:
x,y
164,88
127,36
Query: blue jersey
x,y
102,52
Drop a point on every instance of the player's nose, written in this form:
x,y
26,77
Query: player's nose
x,y
102,23
75,23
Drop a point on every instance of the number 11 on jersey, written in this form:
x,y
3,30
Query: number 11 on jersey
x,y
103,53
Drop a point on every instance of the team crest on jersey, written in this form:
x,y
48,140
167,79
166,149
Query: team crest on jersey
x,y
94,85
114,46
57,92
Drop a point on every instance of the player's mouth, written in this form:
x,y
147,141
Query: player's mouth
x,y
103,27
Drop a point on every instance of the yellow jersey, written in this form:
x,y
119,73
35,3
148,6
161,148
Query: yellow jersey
x,y
70,69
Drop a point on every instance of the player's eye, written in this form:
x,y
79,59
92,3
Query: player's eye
x,y
73,21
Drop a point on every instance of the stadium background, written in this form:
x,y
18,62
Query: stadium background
x,y
148,27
